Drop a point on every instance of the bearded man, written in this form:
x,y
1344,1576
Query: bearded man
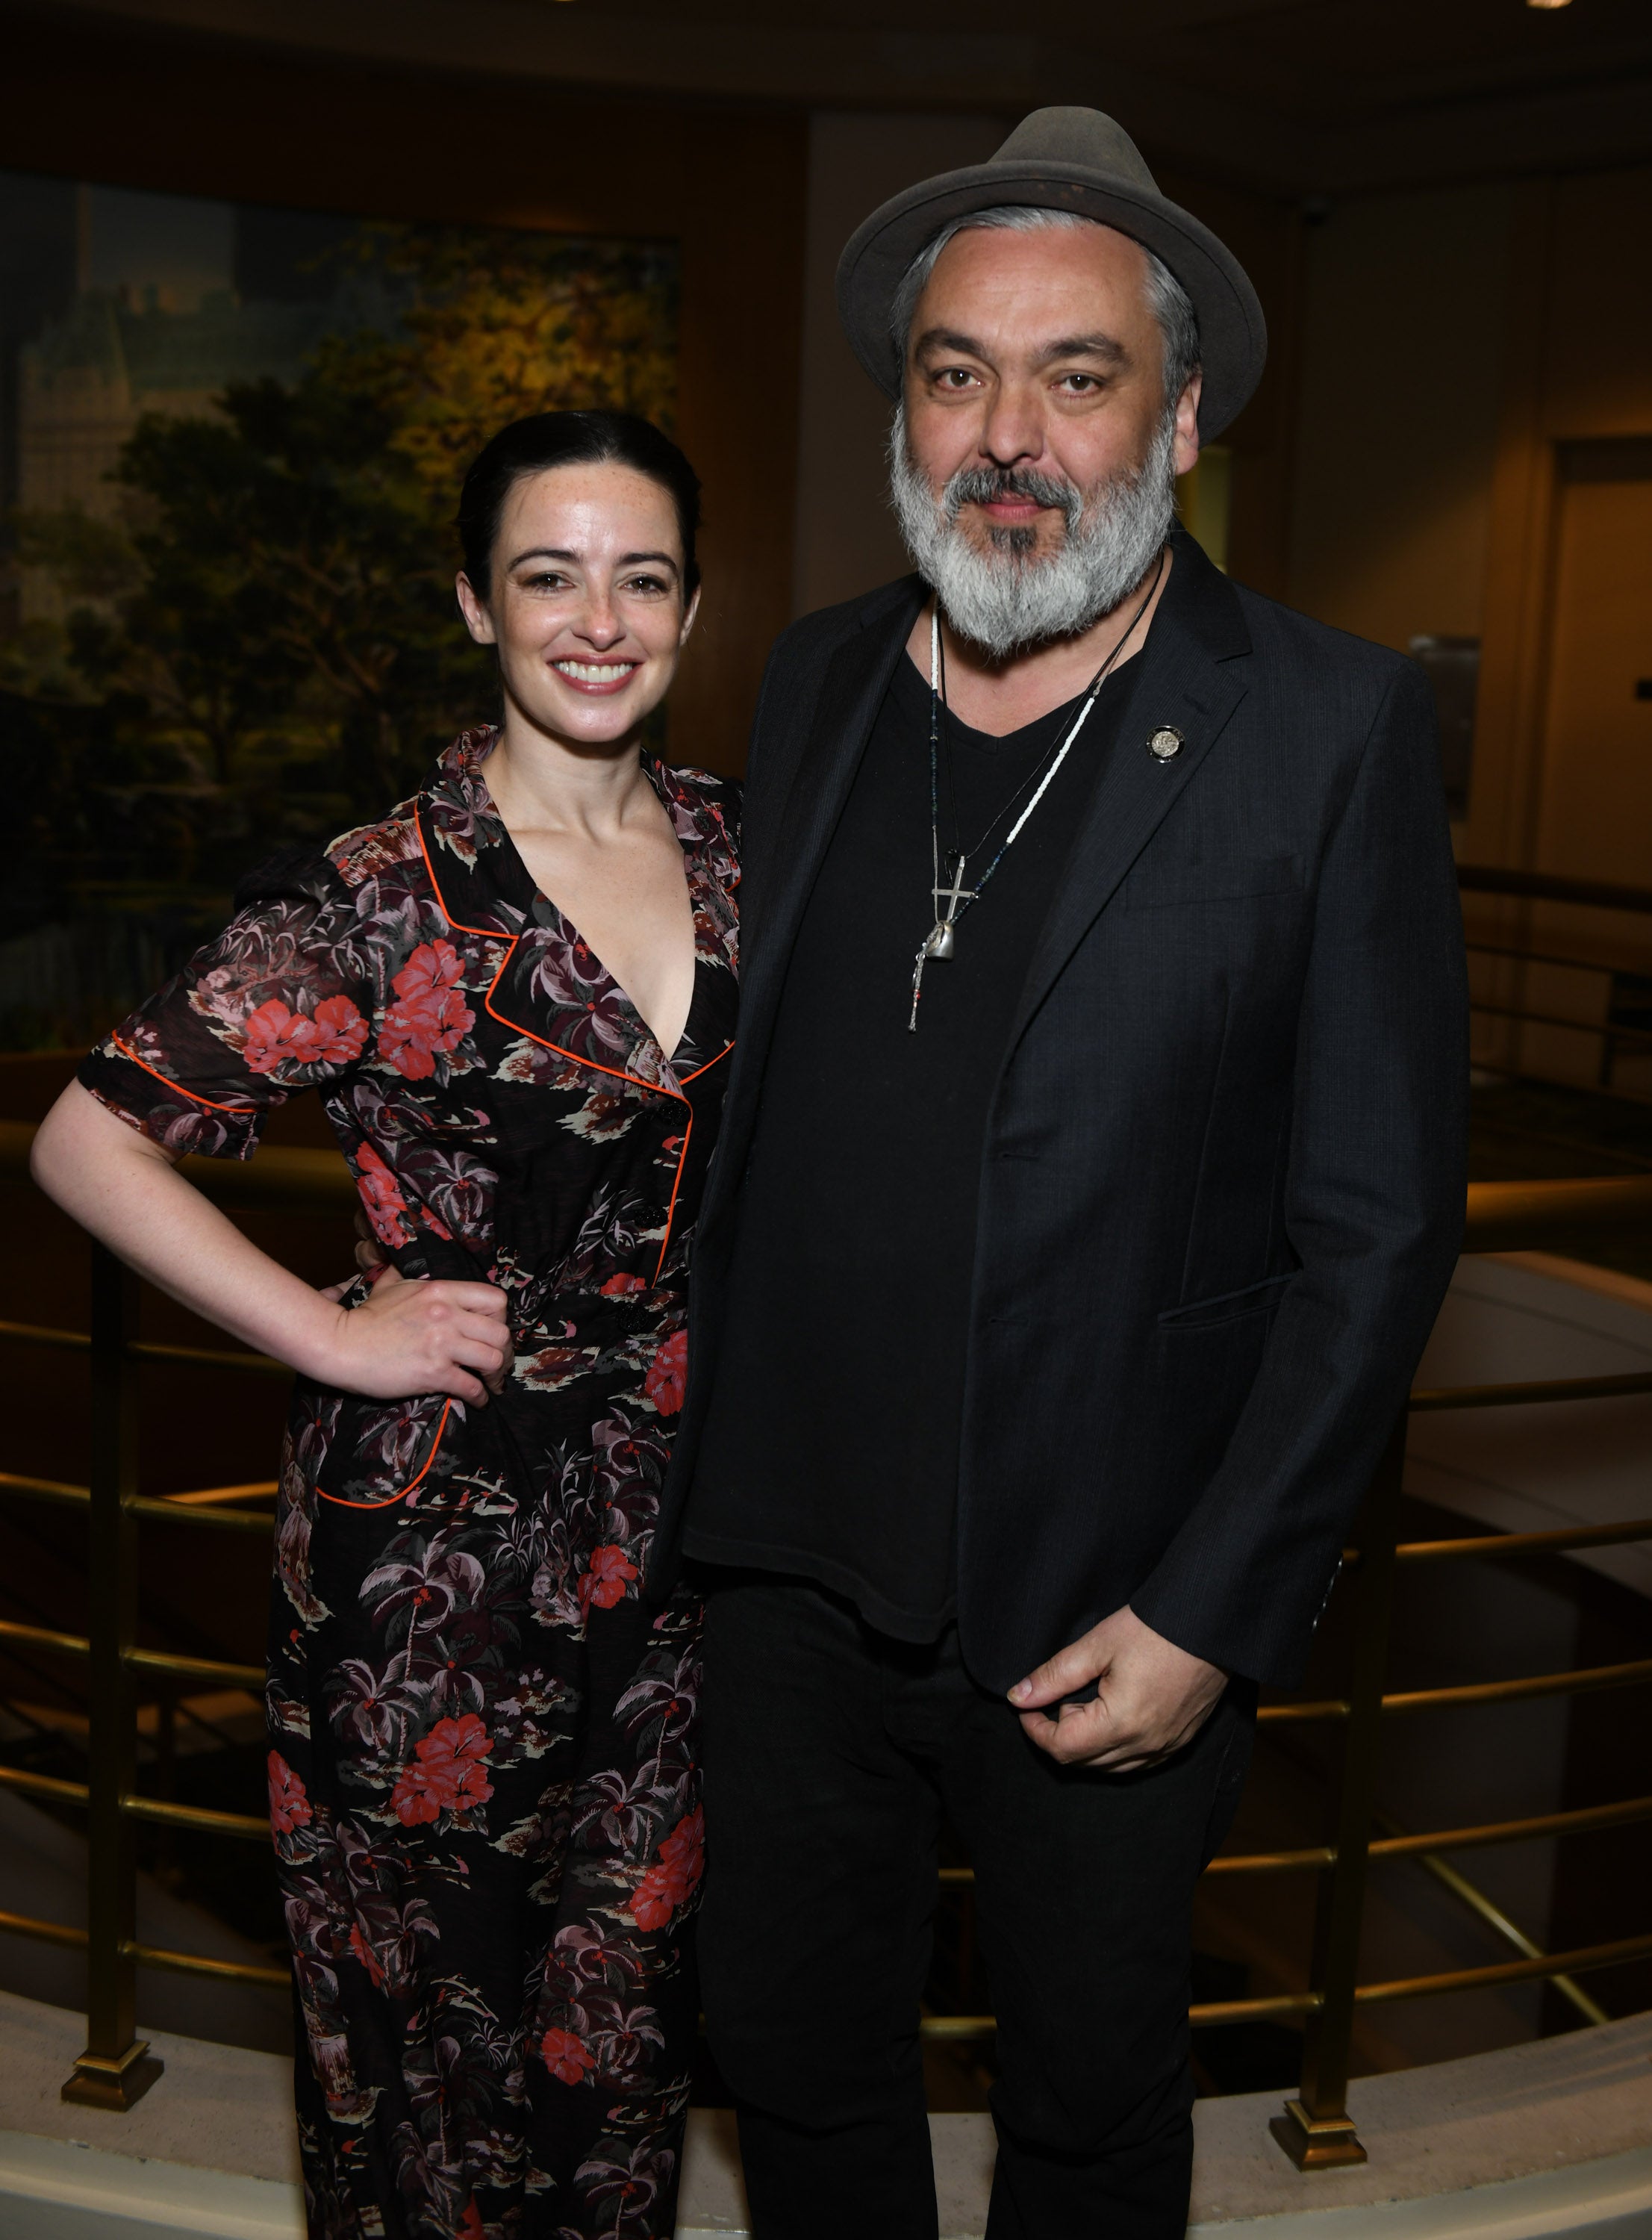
x,y
1091,1172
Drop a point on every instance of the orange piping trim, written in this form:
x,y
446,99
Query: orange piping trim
x,y
681,1158
677,1185
614,1072
241,1111
338,1500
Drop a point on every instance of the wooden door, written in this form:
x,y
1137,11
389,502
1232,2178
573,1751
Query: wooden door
x,y
1595,809
1597,812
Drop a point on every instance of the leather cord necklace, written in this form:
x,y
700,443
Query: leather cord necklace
x,y
952,901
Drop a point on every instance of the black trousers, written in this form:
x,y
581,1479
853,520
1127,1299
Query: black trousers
x,y
831,1753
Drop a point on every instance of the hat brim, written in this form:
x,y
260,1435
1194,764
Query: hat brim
x,y
1233,335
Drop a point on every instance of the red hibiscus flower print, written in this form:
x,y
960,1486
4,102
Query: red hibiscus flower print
x,y
676,1877
667,1374
619,1287
566,2056
341,1031
449,1775
604,1583
380,1195
471,2225
366,1954
275,1035
289,1806
430,1015
684,1849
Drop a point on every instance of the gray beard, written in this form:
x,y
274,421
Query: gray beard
x,y
1005,599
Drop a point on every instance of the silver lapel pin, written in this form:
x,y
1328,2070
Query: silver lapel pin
x,y
1166,741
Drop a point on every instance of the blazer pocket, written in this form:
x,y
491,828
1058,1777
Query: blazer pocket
x,y
1222,880
1229,1306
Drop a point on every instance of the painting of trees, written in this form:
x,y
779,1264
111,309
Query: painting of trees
x,y
259,644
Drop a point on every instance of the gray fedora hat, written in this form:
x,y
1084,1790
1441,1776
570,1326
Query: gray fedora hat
x,y
1063,159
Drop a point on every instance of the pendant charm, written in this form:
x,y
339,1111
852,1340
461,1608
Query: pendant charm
x,y
1166,742
937,943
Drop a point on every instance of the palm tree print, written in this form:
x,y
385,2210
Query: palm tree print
x,y
484,1787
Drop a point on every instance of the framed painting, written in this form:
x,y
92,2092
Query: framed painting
x,y
233,438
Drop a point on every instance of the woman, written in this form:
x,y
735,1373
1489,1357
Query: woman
x,y
515,994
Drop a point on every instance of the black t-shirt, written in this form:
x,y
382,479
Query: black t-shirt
x,y
831,1444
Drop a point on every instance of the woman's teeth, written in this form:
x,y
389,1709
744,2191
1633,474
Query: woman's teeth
x,y
596,672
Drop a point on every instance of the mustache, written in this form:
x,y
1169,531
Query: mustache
x,y
986,485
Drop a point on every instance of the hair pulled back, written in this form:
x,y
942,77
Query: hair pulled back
x,y
572,439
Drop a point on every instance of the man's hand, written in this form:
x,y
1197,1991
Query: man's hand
x,y
1153,1696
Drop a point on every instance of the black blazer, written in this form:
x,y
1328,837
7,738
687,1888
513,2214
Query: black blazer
x,y
1221,1189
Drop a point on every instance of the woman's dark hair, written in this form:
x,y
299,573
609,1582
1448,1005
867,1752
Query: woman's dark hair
x,y
572,439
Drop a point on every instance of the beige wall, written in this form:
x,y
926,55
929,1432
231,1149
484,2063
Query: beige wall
x,y
1403,319
1454,343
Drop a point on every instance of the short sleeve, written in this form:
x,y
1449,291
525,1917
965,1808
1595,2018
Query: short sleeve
x,y
280,1001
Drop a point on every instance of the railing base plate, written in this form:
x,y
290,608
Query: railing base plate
x,y
117,2084
1317,2143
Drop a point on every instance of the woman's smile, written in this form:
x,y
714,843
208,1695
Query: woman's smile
x,y
595,676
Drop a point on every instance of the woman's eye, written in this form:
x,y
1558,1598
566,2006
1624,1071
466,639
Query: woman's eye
x,y
550,579
648,585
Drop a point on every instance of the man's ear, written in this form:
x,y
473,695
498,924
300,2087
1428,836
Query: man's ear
x,y
1187,424
477,620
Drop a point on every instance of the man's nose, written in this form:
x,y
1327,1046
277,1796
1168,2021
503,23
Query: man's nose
x,y
1013,432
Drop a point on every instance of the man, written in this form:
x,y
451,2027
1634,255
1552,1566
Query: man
x,y
1090,1175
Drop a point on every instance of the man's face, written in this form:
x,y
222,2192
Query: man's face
x,y
1038,356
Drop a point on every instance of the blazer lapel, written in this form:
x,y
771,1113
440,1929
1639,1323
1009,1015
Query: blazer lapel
x,y
1188,678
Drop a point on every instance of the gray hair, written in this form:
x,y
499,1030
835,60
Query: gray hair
x,y
1167,297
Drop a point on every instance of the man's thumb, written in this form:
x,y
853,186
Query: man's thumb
x,y
1058,1675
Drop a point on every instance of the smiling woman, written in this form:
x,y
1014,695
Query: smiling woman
x,y
513,993
579,543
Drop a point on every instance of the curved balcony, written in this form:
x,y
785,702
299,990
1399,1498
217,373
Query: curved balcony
x,y
110,2131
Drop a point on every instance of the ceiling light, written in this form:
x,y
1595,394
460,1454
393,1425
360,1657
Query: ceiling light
x,y
1549,3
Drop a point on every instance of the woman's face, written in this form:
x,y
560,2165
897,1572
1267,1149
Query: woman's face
x,y
587,606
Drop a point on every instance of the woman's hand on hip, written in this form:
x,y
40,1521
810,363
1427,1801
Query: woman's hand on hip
x,y
408,1338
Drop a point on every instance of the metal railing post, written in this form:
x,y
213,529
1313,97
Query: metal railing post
x,y
117,2067
1315,2130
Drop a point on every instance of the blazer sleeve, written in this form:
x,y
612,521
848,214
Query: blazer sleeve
x,y
1373,1210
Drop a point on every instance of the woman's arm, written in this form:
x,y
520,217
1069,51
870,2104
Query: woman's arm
x,y
405,1340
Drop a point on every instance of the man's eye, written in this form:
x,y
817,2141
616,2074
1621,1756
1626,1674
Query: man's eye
x,y
1080,385
956,376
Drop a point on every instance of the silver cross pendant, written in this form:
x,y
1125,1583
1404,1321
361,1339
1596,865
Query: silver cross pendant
x,y
937,942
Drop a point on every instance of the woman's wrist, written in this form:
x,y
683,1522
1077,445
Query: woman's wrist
x,y
311,1342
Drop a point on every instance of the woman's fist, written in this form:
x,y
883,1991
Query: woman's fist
x,y
409,1339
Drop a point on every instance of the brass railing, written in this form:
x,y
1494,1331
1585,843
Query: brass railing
x,y
1614,1035
117,2067
1315,2128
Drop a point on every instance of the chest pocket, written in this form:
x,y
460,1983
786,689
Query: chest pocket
x,y
1220,879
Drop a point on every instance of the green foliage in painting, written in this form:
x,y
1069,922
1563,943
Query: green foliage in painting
x,y
264,645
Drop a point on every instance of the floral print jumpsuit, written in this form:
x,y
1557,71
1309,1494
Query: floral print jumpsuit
x,y
484,1787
